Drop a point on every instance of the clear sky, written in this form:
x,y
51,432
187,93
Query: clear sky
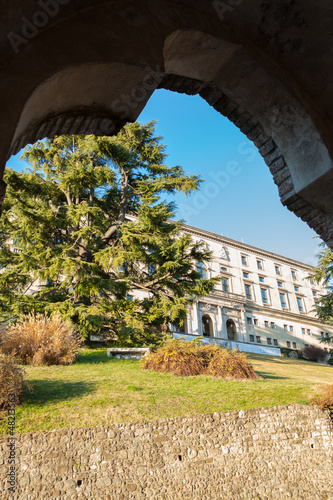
x,y
238,197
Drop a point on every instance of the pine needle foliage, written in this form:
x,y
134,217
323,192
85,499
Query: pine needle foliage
x,y
188,358
37,339
87,224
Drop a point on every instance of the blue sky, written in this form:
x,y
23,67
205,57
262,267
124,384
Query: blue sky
x,y
238,198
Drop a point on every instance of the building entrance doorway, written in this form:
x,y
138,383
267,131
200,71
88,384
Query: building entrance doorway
x,y
231,330
207,326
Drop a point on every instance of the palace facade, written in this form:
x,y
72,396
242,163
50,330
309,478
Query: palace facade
x,y
264,301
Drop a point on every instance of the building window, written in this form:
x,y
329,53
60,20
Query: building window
x,y
223,269
291,328
261,279
313,293
266,324
308,331
278,269
248,293
225,285
245,275
275,342
293,275
251,338
311,281
283,300
255,321
129,297
258,339
269,341
279,284
273,325
264,295
296,288
303,331
306,345
249,321
294,345
151,269
244,260
285,327
327,335
299,303
322,334
260,265
288,343
201,270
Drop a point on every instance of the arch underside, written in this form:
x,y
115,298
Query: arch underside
x,y
100,94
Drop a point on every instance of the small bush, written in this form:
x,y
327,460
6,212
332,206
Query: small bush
x,y
40,340
192,358
313,353
231,363
11,382
325,400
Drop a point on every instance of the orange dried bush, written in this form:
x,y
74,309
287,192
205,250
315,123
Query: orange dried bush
x,y
233,363
325,400
11,382
192,358
40,340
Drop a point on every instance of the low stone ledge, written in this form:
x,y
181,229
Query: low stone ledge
x,y
128,352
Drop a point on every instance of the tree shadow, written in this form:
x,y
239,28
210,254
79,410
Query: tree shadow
x,y
268,375
48,391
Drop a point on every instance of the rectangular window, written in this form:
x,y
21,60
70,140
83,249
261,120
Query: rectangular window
x,y
278,269
225,285
255,321
308,331
129,297
299,303
223,268
201,270
151,269
259,265
303,331
258,339
291,328
296,288
269,341
311,281
264,295
313,293
249,321
251,338
293,274
248,293
322,334
279,284
266,324
327,334
285,327
275,342
261,279
294,345
288,343
245,275
283,300
244,260
273,325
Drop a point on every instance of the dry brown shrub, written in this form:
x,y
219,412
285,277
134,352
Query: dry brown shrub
x,y
325,400
185,358
40,340
231,364
11,382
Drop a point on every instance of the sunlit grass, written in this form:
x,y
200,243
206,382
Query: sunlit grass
x,y
97,390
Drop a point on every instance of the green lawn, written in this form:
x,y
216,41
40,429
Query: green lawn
x,y
97,390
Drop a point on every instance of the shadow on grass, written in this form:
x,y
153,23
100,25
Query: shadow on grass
x,y
48,391
97,357
268,375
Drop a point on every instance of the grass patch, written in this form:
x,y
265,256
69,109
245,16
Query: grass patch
x,y
97,390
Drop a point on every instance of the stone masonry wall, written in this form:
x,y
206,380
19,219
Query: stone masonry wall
x,y
269,453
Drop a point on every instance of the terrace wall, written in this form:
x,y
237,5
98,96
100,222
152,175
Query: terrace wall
x,y
268,453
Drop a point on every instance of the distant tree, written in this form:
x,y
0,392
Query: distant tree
x,y
323,273
85,232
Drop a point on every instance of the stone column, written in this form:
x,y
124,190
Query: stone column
x,y
195,322
219,322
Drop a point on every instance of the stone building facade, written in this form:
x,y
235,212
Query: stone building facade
x,y
263,302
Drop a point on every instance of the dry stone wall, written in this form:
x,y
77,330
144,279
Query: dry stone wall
x,y
269,453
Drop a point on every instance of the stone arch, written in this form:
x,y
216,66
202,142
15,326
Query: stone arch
x,y
207,326
231,330
185,47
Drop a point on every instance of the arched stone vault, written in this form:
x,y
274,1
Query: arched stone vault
x,y
83,66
